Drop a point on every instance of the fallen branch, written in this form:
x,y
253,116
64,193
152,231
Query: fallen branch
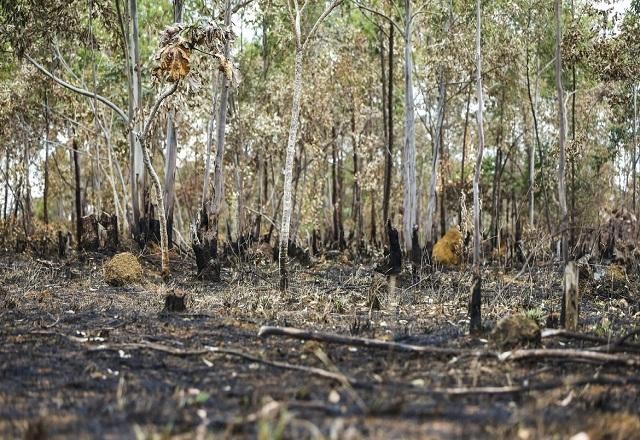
x,y
343,379
295,333
619,344
516,389
570,355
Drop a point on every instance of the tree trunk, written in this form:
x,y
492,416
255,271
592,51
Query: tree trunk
x,y
45,193
562,193
335,189
476,292
635,144
288,170
464,152
135,101
78,201
388,157
205,241
357,202
6,186
409,153
171,148
27,211
572,220
496,195
538,143
436,150
159,199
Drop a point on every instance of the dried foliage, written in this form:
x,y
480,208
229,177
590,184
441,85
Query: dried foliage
x,y
178,41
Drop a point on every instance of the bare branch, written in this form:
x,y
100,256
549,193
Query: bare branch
x,y
380,14
326,12
156,106
79,90
241,5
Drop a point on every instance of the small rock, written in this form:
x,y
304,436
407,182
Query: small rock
x,y
515,331
123,269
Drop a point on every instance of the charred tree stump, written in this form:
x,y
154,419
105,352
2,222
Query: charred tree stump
x,y
174,302
205,247
89,233
62,244
475,325
416,253
392,265
314,243
109,233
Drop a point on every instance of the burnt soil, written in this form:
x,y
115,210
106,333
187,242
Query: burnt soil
x,y
57,382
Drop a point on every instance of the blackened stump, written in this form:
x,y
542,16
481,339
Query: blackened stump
x,y
475,304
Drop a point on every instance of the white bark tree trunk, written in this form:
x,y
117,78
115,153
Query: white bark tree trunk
x,y
562,192
437,147
477,233
288,170
409,152
135,156
171,147
476,296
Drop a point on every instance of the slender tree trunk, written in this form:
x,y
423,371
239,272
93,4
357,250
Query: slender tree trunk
x,y
45,193
436,151
334,187
205,244
562,192
135,103
6,186
27,209
78,201
496,193
155,180
171,148
635,143
464,152
388,157
538,144
288,170
357,202
409,153
476,292
531,157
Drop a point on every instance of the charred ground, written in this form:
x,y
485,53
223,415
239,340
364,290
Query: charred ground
x,y
56,380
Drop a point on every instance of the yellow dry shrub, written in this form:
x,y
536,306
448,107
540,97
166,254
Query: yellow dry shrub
x,y
448,250
122,269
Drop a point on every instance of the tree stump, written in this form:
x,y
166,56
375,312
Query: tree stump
x,y
89,233
475,304
109,238
571,296
174,302
205,247
63,243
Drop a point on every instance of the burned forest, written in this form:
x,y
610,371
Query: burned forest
x,y
323,219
